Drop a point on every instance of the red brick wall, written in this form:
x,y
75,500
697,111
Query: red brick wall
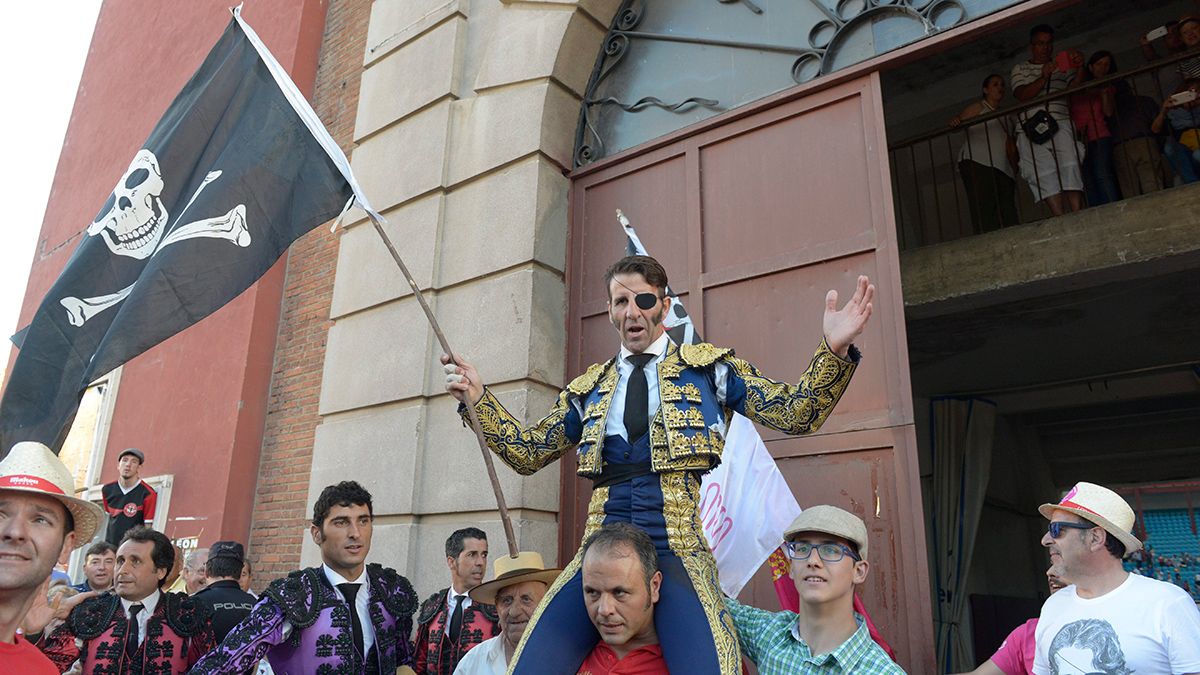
x,y
281,510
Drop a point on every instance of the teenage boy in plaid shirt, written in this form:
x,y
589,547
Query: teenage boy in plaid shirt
x,y
828,549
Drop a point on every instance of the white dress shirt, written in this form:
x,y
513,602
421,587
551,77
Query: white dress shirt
x,y
485,658
362,602
450,600
148,603
615,424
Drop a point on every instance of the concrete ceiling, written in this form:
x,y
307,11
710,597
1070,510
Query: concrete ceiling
x,y
1087,333
1107,376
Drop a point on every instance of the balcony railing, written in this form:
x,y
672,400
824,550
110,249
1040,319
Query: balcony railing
x,y
950,183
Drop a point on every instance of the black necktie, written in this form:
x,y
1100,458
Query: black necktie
x,y
637,397
456,618
349,592
131,635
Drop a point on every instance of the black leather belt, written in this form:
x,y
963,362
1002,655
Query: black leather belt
x,y
619,473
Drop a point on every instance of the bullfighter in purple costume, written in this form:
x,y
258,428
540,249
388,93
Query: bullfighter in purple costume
x,y
303,624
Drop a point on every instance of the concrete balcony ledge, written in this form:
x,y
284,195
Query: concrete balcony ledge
x,y
1140,237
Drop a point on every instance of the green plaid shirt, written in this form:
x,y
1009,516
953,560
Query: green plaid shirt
x,y
772,641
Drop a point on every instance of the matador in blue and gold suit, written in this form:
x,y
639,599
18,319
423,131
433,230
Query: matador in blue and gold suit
x,y
653,482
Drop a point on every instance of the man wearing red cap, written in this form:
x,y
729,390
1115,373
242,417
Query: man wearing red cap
x,y
1108,620
41,522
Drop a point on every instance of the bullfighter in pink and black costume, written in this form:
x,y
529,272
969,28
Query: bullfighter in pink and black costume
x,y
342,617
138,628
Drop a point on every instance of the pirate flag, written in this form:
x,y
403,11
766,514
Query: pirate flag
x,y
237,169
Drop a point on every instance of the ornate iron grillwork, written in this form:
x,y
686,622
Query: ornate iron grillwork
x,y
669,63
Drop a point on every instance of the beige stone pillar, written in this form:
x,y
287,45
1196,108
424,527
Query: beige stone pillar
x,y
465,128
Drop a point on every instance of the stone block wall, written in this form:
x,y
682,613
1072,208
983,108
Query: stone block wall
x,y
463,133
281,507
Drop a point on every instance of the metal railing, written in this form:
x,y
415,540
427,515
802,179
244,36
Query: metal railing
x,y
949,183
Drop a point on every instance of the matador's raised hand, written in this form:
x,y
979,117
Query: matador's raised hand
x,y
843,325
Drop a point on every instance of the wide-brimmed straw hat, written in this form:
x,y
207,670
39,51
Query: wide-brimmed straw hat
x,y
31,467
831,520
1099,505
526,566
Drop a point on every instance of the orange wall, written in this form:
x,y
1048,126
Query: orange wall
x,y
196,403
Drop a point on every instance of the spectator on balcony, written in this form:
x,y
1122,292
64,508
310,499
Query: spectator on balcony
x,y
1166,78
1181,119
1091,111
1171,41
1051,167
1136,154
987,159
1189,35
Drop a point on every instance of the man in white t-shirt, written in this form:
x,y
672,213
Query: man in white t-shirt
x,y
1052,167
1108,621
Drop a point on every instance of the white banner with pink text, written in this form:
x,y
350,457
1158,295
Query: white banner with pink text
x,y
745,506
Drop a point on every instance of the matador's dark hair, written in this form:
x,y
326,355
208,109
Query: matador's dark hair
x,y
650,269
345,493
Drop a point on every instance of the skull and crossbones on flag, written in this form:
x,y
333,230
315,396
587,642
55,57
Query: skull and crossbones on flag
x,y
132,223
238,167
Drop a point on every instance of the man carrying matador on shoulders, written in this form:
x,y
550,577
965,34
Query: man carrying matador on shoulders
x,y
648,424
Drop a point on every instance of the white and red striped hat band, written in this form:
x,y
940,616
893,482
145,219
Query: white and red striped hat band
x,y
31,467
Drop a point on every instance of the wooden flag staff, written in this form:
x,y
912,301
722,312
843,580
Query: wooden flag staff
x,y
437,330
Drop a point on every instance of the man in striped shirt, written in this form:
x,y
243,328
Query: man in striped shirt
x,y
828,550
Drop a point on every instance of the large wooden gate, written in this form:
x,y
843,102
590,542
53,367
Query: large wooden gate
x,y
754,220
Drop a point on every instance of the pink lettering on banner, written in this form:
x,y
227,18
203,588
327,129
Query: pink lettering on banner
x,y
717,525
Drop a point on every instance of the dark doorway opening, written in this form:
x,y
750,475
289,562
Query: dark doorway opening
x,y
1090,364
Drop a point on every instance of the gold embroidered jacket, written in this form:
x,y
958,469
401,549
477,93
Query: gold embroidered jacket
x,y
687,431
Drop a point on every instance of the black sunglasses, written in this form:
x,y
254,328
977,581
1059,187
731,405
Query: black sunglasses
x,y
1056,527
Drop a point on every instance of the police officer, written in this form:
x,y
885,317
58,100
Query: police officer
x,y
229,603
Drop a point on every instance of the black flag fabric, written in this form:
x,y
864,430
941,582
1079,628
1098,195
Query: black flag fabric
x,y
678,322
237,169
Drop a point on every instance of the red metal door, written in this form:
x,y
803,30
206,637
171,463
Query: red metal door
x,y
754,220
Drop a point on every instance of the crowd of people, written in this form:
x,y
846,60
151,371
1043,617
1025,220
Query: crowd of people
x,y
1082,144
349,616
1177,569
641,595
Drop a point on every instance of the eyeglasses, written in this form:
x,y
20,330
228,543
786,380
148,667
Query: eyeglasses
x,y
1056,527
801,550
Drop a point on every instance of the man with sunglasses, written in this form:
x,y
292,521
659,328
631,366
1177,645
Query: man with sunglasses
x,y
828,550
647,424
1108,620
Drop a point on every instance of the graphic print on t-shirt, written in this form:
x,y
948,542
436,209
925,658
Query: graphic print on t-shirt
x,y
1087,647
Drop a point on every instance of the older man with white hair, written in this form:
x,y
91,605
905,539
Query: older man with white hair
x,y
1108,620
518,588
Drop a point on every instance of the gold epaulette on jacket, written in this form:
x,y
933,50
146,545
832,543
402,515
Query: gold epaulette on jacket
x,y
583,384
702,354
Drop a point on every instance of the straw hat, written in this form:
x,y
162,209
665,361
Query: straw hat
x,y
526,566
31,467
831,520
1099,505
